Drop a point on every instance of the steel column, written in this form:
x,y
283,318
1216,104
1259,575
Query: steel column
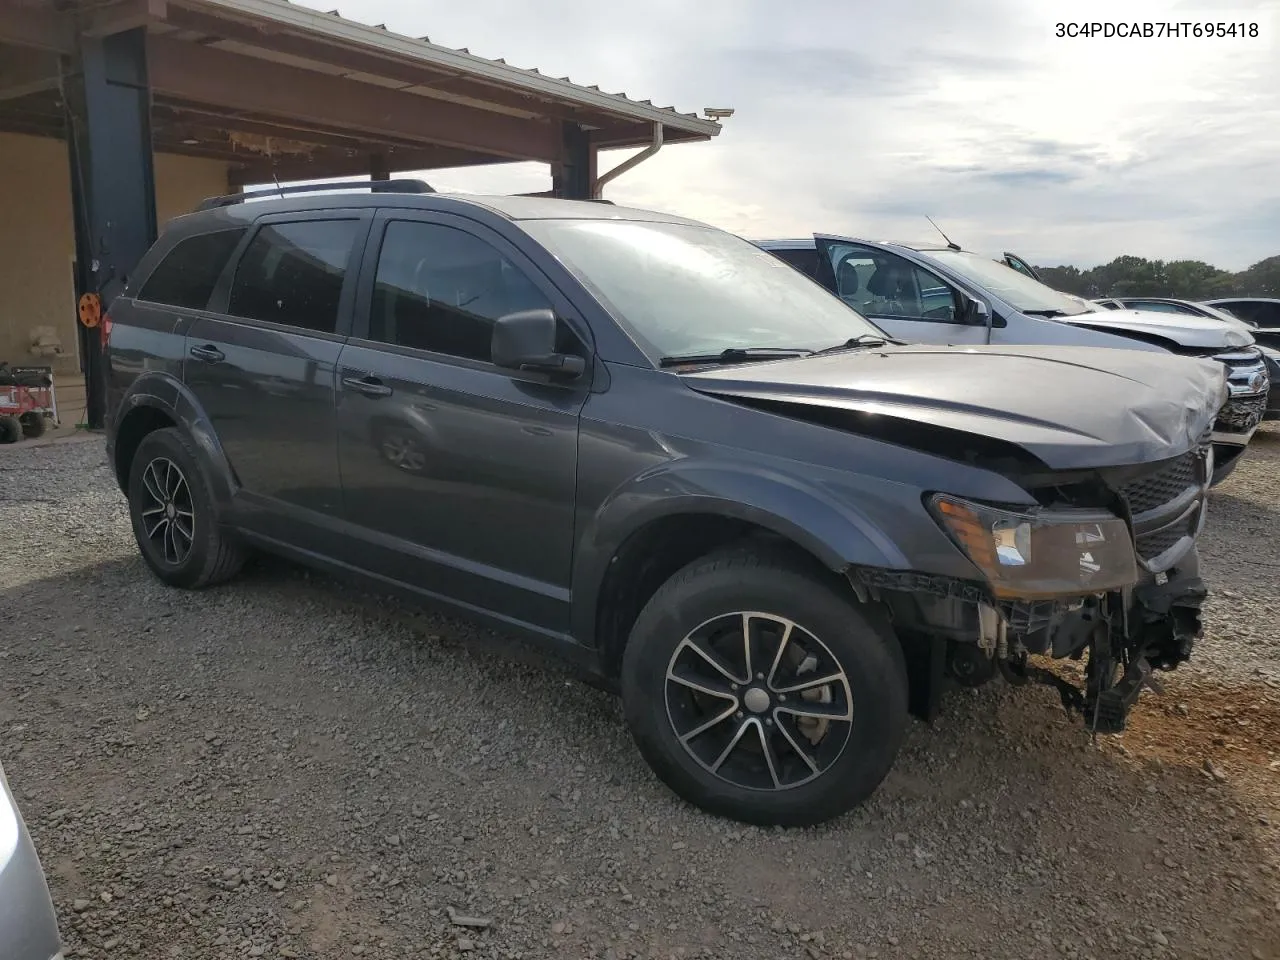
x,y
574,175
112,180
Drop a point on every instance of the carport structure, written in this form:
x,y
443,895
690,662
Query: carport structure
x,y
162,102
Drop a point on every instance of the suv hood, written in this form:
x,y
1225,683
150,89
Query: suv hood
x,y
1184,329
1070,407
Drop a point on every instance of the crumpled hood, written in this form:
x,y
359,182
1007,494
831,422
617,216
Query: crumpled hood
x,y
1071,407
1183,329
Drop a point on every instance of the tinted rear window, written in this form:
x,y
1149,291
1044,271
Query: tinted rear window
x,y
188,273
292,273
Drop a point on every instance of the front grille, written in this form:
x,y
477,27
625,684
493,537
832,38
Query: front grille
x,y
1152,545
1242,359
1146,494
1242,414
1151,491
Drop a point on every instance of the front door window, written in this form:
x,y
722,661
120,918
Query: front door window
x,y
881,285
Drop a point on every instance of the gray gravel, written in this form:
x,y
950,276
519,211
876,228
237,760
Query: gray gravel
x,y
285,767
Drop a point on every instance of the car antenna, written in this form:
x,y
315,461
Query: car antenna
x,y
950,245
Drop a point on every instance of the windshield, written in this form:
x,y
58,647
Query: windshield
x,y
683,289
1015,288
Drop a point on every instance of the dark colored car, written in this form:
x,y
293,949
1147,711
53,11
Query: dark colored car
x,y
1262,314
665,455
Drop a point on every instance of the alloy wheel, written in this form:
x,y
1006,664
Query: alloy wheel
x,y
168,518
758,701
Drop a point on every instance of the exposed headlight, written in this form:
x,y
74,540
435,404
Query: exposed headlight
x,y
1041,553
1238,338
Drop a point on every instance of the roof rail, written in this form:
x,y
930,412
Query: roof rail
x,y
377,186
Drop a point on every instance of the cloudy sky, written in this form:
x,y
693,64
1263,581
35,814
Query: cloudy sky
x,y
860,117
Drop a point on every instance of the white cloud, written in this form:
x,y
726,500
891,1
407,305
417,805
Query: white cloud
x,y
861,119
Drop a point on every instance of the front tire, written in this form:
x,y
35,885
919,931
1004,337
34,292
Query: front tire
x,y
758,691
175,519
10,429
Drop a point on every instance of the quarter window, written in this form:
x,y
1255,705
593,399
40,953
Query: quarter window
x,y
440,289
189,272
292,274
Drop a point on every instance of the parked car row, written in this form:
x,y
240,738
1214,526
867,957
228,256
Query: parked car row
x,y
1258,316
917,294
669,457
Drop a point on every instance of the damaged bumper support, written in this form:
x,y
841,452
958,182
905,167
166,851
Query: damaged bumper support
x,y
1155,627
1057,582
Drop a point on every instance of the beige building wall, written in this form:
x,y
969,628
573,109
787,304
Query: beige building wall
x,y
37,296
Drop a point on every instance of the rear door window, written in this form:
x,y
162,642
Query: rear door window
x,y
189,272
292,274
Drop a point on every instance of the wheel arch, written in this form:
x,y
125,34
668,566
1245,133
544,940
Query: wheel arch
x,y
644,534
158,401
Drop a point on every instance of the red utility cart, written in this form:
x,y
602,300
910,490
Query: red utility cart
x,y
27,402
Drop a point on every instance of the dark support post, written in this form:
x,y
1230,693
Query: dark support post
x,y
575,175
379,169
112,180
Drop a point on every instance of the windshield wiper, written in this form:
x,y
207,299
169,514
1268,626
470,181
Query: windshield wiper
x,y
1048,313
862,340
735,355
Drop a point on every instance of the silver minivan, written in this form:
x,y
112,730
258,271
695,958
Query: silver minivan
x,y
28,926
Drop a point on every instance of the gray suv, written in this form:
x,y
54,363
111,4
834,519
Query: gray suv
x,y
666,456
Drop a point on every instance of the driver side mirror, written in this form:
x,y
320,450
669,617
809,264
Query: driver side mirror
x,y
976,312
527,341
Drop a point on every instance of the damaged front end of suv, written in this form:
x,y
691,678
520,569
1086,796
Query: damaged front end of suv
x,y
1094,561
1104,569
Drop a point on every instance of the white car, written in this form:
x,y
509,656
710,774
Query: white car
x,y
28,925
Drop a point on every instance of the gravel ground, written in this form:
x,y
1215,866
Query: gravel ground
x,y
285,767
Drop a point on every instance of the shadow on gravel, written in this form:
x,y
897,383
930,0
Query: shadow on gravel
x,y
296,762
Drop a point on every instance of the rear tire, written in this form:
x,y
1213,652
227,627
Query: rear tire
x,y
10,430
32,425
778,755
175,519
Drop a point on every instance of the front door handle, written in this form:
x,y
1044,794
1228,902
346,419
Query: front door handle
x,y
369,386
208,353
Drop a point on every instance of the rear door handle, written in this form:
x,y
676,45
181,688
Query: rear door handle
x,y
369,386
208,353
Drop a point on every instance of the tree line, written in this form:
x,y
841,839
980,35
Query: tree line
x,y
1184,279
